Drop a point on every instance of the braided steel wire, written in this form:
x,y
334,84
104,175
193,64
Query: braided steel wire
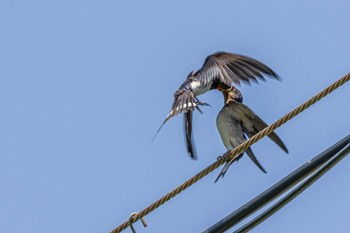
x,y
233,154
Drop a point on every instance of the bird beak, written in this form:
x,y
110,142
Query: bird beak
x,y
223,88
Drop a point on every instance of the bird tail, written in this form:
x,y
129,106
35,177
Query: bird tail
x,y
188,135
226,167
251,155
161,126
224,170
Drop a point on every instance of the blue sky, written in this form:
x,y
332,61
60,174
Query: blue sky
x,y
85,84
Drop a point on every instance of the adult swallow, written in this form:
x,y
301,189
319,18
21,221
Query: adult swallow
x,y
220,69
237,120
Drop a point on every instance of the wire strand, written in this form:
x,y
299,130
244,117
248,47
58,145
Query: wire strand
x,y
233,154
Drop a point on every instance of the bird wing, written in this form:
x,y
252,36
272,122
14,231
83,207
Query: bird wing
x,y
252,123
229,124
227,68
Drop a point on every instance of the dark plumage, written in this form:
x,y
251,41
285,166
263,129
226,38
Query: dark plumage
x,y
236,120
219,70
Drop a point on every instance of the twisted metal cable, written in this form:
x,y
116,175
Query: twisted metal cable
x,y
296,191
233,154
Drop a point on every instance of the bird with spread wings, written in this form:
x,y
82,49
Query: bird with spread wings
x,y
219,71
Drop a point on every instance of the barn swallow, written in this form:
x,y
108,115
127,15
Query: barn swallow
x,y
220,69
235,121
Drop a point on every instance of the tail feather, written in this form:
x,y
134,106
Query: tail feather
x,y
161,126
251,155
227,165
188,135
224,170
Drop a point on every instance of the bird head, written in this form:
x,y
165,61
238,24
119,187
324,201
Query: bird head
x,y
230,94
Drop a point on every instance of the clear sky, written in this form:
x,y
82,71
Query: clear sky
x,y
84,85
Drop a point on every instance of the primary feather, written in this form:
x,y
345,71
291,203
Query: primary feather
x,y
219,69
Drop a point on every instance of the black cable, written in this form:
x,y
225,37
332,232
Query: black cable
x,y
278,188
294,193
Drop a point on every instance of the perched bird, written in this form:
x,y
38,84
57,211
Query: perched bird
x,y
235,121
220,69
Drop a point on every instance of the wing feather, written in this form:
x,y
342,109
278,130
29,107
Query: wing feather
x,y
233,68
255,124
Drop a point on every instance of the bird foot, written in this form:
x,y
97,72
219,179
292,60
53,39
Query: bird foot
x,y
222,156
198,102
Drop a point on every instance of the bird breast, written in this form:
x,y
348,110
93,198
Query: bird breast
x,y
230,128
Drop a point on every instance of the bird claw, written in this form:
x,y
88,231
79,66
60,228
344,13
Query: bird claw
x,y
198,102
223,156
204,104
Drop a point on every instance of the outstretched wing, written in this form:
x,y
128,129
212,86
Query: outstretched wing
x,y
227,68
254,124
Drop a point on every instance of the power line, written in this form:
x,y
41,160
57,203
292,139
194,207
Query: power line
x,y
344,152
308,172
233,154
